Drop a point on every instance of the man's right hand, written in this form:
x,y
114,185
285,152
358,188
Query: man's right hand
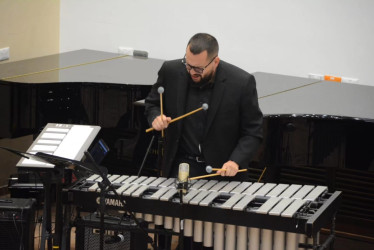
x,y
161,122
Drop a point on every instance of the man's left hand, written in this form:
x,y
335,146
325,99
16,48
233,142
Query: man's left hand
x,y
230,168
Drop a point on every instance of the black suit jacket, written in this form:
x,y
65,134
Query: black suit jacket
x,y
234,120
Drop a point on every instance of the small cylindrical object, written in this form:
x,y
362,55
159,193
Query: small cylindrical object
x,y
241,241
219,236
279,240
230,237
183,174
168,222
254,238
176,225
302,239
159,220
198,231
184,170
208,234
266,239
188,228
148,217
292,241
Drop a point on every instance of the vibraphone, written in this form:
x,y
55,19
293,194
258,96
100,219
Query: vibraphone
x,y
222,214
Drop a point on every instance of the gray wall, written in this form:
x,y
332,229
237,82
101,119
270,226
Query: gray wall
x,y
291,37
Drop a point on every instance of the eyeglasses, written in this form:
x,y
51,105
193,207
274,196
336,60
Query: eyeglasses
x,y
198,70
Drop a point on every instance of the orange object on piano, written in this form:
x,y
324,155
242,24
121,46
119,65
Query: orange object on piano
x,y
332,78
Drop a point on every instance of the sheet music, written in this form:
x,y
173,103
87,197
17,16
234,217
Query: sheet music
x,y
64,140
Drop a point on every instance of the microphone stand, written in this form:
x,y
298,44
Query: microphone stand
x,y
183,188
104,185
156,237
146,155
103,191
160,153
181,229
160,150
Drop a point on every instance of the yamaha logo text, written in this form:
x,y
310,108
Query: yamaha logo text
x,y
110,202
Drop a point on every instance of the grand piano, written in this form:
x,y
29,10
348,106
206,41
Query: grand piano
x,y
321,132
81,86
316,132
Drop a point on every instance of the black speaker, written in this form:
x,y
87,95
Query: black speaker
x,y
17,223
120,234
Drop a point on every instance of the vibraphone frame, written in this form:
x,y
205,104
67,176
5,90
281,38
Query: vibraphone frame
x,y
306,225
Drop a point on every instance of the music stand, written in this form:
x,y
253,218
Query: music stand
x,y
56,147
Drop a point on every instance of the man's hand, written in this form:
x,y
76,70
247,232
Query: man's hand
x,y
161,122
230,168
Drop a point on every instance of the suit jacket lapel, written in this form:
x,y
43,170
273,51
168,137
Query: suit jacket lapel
x,y
181,94
216,98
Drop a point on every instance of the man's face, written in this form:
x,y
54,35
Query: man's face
x,y
201,61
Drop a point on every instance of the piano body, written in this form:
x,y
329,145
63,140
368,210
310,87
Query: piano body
x,y
316,132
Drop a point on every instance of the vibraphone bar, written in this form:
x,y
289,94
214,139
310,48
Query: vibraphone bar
x,y
223,214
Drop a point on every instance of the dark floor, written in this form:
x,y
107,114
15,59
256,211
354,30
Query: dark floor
x,y
350,244
351,235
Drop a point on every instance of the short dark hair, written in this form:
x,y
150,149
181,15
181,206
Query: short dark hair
x,y
203,41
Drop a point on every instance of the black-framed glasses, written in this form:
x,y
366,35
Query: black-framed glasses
x,y
198,70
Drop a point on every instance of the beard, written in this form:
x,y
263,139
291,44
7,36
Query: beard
x,y
199,79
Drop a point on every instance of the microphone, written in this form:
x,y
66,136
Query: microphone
x,y
183,174
115,239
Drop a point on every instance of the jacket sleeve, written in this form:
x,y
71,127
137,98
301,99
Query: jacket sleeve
x,y
250,125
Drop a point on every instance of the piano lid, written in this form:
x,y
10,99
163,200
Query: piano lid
x,y
86,66
294,96
49,62
269,84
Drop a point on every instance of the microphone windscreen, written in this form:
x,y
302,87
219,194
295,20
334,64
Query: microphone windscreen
x,y
184,172
205,106
208,169
160,90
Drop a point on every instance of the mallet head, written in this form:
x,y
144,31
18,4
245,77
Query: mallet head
x,y
208,169
160,90
205,106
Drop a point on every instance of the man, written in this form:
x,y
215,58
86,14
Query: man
x,y
227,134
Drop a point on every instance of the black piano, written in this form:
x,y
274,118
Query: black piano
x,y
316,132
321,132
80,87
